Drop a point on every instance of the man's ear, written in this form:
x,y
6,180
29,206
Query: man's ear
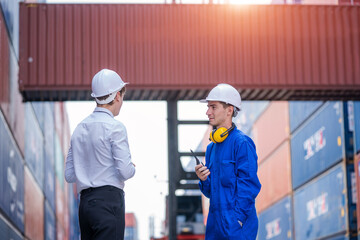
x,y
230,110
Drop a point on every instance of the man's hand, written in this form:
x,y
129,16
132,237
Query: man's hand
x,y
202,172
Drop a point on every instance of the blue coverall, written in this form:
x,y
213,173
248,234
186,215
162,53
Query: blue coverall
x,y
232,187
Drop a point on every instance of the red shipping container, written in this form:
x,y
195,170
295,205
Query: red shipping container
x,y
274,52
271,129
34,208
4,67
275,176
130,220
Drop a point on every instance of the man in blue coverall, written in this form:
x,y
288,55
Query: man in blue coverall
x,y
229,177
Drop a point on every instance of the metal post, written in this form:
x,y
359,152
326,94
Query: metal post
x,y
173,166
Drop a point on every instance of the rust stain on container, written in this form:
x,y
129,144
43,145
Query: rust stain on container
x,y
275,177
179,51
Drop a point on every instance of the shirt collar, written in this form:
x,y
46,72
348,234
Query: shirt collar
x,y
104,110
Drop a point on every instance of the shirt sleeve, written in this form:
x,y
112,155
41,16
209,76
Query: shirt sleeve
x,y
121,152
248,184
69,167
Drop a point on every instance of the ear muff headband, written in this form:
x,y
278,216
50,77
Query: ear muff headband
x,y
220,134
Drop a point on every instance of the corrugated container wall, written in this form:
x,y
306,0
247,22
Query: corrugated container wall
x,y
299,111
50,223
320,208
11,177
357,126
275,177
318,144
250,111
34,146
271,129
34,208
27,136
357,172
275,223
8,232
10,99
191,46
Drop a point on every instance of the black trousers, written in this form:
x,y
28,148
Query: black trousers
x,y
102,213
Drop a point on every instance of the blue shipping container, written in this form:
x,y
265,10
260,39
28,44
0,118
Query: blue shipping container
x,y
49,221
318,144
73,213
11,177
319,206
39,113
7,232
49,155
275,223
34,142
299,111
357,126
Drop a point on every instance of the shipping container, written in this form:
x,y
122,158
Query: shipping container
x,y
299,111
279,52
74,228
320,208
8,232
34,208
49,155
10,99
130,220
275,223
11,177
59,162
130,233
250,111
60,233
38,108
318,144
34,146
50,223
4,67
60,206
357,126
10,10
275,177
357,177
271,129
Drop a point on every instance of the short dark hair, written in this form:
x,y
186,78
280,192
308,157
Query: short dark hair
x,y
225,105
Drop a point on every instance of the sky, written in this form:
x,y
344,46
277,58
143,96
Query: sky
x,y
146,124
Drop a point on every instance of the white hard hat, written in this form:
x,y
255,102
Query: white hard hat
x,y
106,82
225,93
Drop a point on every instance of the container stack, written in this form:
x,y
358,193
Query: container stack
x,y
356,121
34,200
310,194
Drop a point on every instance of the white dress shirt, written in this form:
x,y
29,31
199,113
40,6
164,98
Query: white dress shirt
x,y
99,152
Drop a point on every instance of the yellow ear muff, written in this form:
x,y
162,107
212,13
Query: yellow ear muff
x,y
220,134
217,135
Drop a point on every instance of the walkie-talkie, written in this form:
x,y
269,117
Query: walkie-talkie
x,y
197,160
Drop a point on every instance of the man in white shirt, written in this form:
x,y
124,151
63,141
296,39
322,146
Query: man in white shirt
x,y
99,161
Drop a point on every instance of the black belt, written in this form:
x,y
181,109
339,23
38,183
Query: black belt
x,y
95,189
